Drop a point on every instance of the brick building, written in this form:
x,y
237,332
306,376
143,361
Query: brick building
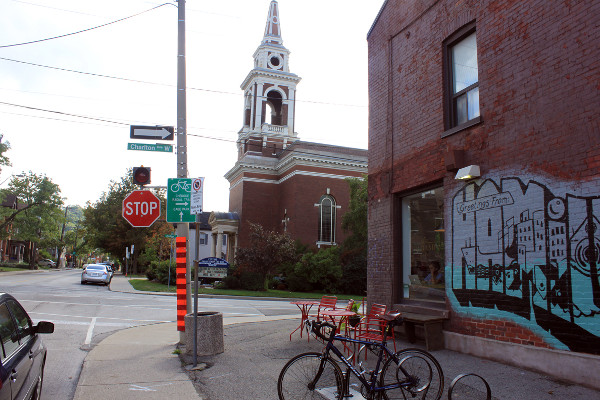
x,y
279,181
506,92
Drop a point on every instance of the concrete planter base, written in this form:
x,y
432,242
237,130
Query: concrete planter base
x,y
210,333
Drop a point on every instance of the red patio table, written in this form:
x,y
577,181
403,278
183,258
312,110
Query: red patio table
x,y
342,314
304,306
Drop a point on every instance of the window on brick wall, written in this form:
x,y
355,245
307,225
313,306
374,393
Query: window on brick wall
x,y
462,79
327,215
423,239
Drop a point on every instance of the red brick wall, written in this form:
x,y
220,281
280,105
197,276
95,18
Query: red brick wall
x,y
539,69
532,57
266,203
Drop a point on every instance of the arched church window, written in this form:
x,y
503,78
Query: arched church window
x,y
247,107
327,214
275,104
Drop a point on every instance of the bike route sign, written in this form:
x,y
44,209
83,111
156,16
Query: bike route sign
x,y
179,192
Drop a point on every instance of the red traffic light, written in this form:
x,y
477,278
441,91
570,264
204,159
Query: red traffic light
x,y
141,175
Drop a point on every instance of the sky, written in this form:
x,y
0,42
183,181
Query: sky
x,y
66,104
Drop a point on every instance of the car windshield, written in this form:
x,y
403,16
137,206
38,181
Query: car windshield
x,y
95,267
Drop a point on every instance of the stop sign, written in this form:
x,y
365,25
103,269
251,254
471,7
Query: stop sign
x,y
141,208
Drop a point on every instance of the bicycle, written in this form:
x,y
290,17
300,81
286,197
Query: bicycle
x,y
181,184
408,374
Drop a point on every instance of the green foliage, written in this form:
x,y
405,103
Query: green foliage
x,y
44,254
251,281
354,249
354,271
4,147
38,214
231,281
239,279
39,209
158,271
355,220
321,270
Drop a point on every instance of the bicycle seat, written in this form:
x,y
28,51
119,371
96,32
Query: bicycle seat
x,y
391,316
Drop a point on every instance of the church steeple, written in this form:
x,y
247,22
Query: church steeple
x,y
273,30
269,94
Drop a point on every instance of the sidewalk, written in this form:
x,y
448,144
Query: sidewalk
x,y
138,363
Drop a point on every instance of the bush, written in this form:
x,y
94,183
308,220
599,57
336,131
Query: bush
x,y
298,284
244,280
252,281
231,281
158,271
320,270
354,273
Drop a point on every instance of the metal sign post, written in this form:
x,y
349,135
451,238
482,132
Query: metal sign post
x,y
196,208
172,236
196,290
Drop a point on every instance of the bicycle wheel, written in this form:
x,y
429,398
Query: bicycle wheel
x,y
296,380
416,368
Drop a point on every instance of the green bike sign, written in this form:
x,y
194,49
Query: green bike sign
x,y
179,192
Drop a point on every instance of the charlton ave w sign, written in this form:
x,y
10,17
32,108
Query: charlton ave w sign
x,y
141,208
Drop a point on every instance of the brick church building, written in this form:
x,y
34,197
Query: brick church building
x,y
279,181
484,162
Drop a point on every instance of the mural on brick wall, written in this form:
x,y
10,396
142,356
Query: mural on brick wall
x,y
521,252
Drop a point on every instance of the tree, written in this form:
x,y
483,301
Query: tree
x,y
38,215
354,248
4,147
268,250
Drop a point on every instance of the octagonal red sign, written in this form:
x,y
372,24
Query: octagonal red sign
x,y
141,208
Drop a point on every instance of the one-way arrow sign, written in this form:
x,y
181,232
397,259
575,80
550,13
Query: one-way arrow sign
x,y
151,132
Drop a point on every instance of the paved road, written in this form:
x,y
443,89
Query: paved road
x,y
85,314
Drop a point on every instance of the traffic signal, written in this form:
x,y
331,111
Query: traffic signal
x,y
141,175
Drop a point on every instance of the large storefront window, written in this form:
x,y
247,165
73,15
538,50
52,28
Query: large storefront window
x,y
423,245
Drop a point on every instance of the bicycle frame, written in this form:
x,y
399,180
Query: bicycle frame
x,y
371,383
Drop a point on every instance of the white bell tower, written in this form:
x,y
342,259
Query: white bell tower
x,y
269,95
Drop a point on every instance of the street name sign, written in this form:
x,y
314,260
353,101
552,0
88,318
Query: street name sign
x,y
166,148
196,196
151,132
141,208
179,191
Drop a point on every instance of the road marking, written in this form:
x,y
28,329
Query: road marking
x,y
88,338
144,306
147,388
88,317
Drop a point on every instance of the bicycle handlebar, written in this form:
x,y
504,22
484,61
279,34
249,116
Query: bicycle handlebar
x,y
316,327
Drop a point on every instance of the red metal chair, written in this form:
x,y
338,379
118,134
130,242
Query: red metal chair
x,y
371,327
327,303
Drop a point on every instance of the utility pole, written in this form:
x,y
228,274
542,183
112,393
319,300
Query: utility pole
x,y
182,169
